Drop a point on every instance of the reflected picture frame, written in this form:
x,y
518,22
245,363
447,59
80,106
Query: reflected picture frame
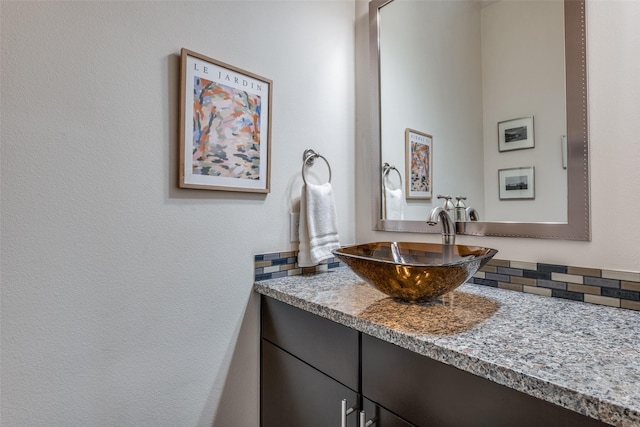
x,y
517,183
516,134
225,126
418,165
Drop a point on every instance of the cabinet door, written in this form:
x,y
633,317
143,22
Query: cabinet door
x,y
380,417
430,393
296,394
326,345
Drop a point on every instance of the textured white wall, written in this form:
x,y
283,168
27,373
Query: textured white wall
x,y
613,37
125,300
420,92
523,74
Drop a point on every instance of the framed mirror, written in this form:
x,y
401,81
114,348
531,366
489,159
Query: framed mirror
x,y
499,88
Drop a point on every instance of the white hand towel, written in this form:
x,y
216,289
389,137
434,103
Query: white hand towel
x,y
318,231
393,200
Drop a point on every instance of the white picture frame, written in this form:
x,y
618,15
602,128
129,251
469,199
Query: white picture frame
x,y
517,183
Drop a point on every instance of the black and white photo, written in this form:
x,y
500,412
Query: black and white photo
x,y
516,134
516,183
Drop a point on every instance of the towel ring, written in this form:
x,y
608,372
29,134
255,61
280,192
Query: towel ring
x,y
308,159
386,168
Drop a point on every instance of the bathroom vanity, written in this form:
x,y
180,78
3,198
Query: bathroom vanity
x,y
478,356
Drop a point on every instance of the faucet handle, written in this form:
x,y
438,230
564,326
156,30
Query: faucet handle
x,y
460,214
448,204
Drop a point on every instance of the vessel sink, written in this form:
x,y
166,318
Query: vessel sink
x,y
414,272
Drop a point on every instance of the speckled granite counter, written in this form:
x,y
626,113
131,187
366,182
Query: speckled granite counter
x,y
580,356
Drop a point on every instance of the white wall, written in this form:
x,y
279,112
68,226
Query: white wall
x,y
613,37
125,300
523,74
428,97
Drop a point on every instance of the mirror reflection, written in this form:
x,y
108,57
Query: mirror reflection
x,y
485,82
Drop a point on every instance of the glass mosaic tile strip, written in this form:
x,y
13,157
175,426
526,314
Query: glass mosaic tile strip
x,y
590,285
283,264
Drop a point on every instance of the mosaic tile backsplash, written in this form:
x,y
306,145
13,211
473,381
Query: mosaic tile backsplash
x,y
605,287
283,264
591,285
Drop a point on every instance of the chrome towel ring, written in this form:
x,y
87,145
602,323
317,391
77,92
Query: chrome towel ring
x,y
386,168
308,159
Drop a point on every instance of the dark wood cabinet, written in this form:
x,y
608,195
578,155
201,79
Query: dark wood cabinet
x,y
377,416
310,364
430,393
324,344
294,394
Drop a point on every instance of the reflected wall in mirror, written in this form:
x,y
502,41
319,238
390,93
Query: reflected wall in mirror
x,y
464,72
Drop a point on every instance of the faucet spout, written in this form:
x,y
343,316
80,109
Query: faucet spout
x,y
472,214
448,227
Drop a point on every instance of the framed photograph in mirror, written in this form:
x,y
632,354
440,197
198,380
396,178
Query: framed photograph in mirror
x,y
419,164
517,183
516,134
225,126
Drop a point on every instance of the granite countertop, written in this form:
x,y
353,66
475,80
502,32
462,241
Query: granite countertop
x,y
583,357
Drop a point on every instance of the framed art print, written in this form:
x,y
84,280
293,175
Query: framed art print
x,y
517,183
225,126
516,134
419,164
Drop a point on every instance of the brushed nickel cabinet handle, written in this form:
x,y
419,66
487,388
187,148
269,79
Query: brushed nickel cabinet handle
x,y
344,412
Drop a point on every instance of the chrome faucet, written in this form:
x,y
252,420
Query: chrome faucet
x,y
472,214
448,227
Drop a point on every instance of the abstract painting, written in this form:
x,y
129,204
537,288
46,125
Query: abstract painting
x,y
419,164
225,126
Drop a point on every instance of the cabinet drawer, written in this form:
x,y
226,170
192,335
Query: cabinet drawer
x,y
322,343
294,394
430,393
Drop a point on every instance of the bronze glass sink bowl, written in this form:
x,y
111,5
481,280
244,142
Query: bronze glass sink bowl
x,y
414,272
